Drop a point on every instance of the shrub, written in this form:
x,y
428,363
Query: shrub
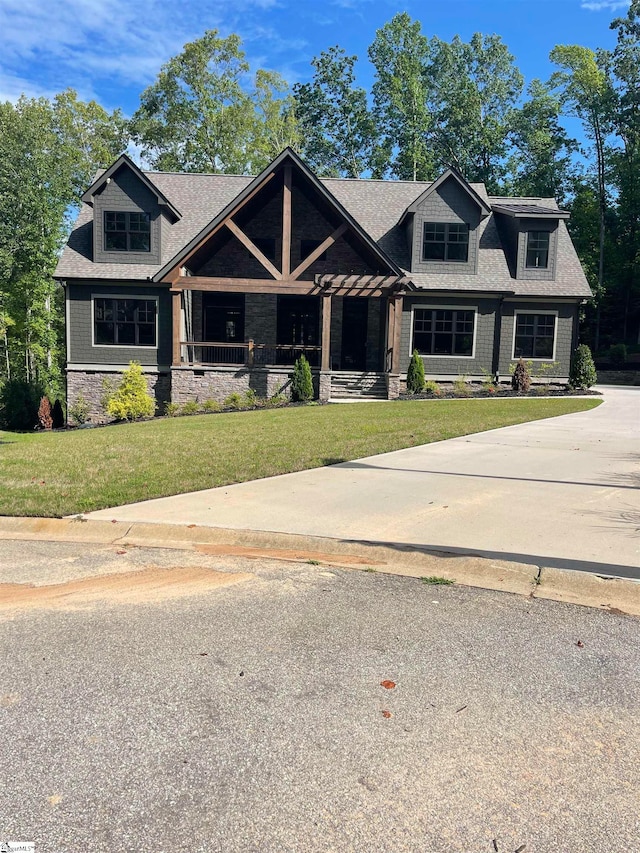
x,y
432,388
521,379
415,374
191,407
19,401
301,383
250,398
171,410
211,406
461,388
44,414
234,401
57,414
582,373
131,400
618,355
79,412
276,401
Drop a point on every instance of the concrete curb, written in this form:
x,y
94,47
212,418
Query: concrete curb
x,y
616,594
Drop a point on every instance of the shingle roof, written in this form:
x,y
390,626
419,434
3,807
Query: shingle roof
x,y
376,205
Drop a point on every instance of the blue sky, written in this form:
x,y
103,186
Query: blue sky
x,y
111,49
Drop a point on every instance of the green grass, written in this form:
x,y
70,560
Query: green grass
x,y
63,473
435,580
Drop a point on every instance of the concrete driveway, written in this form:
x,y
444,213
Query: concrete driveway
x,y
562,493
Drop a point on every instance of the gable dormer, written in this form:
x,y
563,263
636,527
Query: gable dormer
x,y
530,237
442,226
128,215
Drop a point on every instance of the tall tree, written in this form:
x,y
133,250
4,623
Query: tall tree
x,y
585,91
336,125
196,116
400,55
48,152
473,88
625,69
275,125
542,163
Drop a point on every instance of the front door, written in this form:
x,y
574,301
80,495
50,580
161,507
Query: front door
x,y
355,310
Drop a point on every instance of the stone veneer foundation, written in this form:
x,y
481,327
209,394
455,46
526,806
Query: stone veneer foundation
x,y
90,384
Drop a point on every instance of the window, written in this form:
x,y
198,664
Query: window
x,y
224,317
308,246
443,331
534,335
126,232
267,246
538,250
125,322
445,241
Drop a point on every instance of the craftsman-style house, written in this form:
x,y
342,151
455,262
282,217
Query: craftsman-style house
x,y
217,283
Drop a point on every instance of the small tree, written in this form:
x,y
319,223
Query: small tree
x,y
582,373
301,383
19,404
415,374
521,379
57,415
79,411
44,413
131,400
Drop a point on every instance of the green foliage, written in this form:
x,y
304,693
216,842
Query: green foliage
x,y
415,374
19,402
582,373
44,414
131,400
521,377
337,128
250,399
211,406
191,407
234,401
199,117
461,388
618,354
171,410
57,415
301,382
432,388
79,411
276,401
435,580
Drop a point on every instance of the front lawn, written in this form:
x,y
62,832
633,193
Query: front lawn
x,y
62,473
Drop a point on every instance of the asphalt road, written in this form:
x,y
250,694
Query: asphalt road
x,y
560,493
240,709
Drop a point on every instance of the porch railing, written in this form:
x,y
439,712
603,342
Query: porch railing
x,y
215,353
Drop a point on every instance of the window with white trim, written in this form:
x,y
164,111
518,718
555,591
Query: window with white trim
x,y
126,232
535,336
125,322
443,331
445,241
537,250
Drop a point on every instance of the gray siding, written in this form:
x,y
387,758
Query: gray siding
x,y
483,359
126,193
80,332
567,319
449,203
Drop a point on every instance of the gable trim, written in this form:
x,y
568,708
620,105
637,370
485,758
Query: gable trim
x,y
124,160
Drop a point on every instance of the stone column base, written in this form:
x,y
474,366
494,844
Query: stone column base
x,y
324,386
393,386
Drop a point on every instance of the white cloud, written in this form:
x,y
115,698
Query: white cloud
x,y
608,5
93,44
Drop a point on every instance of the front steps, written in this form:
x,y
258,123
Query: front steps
x,y
355,385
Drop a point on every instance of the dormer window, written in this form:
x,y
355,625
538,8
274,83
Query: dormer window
x,y
445,241
537,250
126,232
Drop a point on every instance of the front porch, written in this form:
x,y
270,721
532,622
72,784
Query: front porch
x,y
348,328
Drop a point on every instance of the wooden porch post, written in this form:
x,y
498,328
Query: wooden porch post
x,y
326,332
176,298
397,334
391,316
251,352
